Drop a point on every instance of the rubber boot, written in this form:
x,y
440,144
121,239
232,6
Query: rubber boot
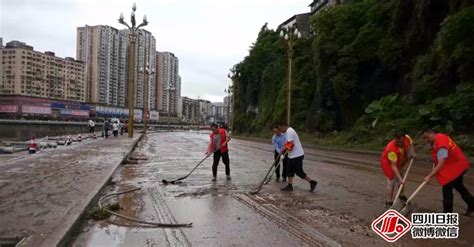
x,y
312,185
289,187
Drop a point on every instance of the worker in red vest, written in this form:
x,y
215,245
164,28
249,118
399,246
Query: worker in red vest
x,y
32,146
394,157
449,168
218,147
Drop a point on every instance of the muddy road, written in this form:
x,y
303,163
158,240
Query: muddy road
x,y
349,196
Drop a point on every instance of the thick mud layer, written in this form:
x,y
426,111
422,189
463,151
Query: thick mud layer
x,y
349,196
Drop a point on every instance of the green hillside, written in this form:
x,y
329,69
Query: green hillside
x,y
371,68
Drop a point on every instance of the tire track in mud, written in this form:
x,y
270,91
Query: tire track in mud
x,y
174,237
301,230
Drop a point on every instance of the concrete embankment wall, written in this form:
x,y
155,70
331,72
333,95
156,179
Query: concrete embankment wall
x,y
16,130
23,130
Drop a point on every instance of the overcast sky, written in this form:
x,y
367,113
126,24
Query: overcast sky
x,y
208,36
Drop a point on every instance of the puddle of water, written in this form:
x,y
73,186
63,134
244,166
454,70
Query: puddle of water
x,y
223,221
110,235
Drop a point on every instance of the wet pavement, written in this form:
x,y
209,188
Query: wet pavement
x,y
42,195
348,198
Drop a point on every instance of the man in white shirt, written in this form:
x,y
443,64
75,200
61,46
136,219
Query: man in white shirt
x,y
296,155
115,129
91,126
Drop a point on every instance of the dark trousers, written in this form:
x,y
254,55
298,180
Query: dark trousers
x,y
225,160
296,167
448,194
106,133
284,168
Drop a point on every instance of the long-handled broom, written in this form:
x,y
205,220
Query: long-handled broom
x,y
165,182
259,187
276,167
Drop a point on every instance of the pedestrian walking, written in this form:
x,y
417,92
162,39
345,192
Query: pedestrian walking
x,y
295,157
106,128
91,126
218,147
394,157
115,129
278,142
450,165
121,125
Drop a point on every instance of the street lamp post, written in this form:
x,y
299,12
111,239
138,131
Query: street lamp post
x,y
132,36
170,88
199,113
232,76
290,35
147,72
228,91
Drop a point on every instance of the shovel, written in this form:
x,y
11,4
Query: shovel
x,y
404,208
401,186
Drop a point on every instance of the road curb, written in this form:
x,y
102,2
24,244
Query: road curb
x,y
63,236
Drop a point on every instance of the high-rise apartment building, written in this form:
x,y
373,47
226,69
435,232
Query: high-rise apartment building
x,y
145,54
190,110
103,49
168,83
25,71
205,111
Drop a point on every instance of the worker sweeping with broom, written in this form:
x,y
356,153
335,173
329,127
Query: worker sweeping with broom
x,y
394,157
218,146
295,155
450,166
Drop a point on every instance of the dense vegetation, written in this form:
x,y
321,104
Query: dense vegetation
x,y
372,67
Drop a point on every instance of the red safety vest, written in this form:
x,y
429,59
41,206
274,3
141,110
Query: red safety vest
x,y
455,164
223,135
392,147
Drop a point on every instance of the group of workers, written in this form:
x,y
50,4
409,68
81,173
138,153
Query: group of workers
x,y
287,147
450,164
